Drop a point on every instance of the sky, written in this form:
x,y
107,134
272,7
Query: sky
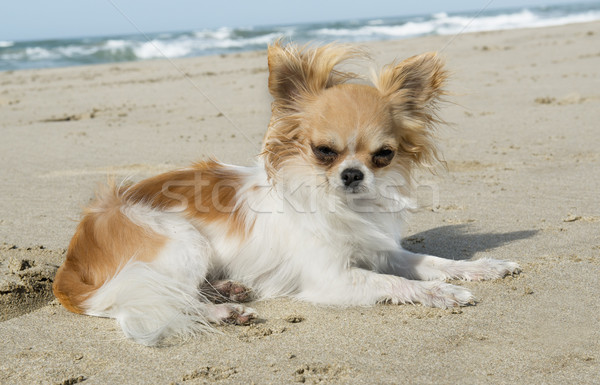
x,y
50,19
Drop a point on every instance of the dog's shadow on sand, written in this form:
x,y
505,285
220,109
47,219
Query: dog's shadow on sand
x,y
458,242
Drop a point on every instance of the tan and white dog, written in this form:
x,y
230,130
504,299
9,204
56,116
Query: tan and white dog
x,y
318,218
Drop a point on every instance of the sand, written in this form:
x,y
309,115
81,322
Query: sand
x,y
522,184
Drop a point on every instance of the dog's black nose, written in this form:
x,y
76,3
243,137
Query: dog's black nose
x,y
352,177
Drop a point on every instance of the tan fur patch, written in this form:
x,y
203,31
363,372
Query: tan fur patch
x,y
206,191
103,242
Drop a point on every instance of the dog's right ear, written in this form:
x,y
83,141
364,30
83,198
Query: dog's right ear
x,y
296,72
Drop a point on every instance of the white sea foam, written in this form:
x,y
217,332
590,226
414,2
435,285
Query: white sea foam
x,y
379,31
158,49
522,19
218,34
39,53
73,51
241,43
6,44
443,24
117,45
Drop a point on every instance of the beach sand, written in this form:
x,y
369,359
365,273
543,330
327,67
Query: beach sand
x,y
523,184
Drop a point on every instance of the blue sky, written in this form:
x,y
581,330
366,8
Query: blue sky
x,y
47,19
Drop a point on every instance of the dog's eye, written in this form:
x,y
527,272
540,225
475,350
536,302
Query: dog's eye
x,y
325,154
383,157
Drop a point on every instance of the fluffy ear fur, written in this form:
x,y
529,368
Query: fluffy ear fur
x,y
413,88
295,71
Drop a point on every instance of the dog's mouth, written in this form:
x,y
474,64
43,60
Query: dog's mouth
x,y
360,198
355,189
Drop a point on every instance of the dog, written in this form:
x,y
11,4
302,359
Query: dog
x,y
318,218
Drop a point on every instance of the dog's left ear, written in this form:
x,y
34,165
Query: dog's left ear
x,y
414,84
413,88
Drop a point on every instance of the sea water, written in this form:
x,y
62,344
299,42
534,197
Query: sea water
x,y
108,49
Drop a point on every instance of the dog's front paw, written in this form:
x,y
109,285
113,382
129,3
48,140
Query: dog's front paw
x,y
232,313
444,295
488,268
429,293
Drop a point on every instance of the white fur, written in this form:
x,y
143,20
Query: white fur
x,y
149,305
309,244
152,300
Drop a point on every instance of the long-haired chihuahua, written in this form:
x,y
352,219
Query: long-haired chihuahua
x,y
319,217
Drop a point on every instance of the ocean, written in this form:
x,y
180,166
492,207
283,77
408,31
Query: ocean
x,y
16,55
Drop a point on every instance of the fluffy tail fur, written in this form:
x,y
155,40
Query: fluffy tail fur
x,y
150,306
139,265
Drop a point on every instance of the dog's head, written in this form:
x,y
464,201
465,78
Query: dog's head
x,y
350,135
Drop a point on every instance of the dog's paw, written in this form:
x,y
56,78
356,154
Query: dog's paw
x,y
488,268
228,291
429,293
233,313
444,295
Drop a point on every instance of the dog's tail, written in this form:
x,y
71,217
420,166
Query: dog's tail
x,y
139,265
150,306
70,289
